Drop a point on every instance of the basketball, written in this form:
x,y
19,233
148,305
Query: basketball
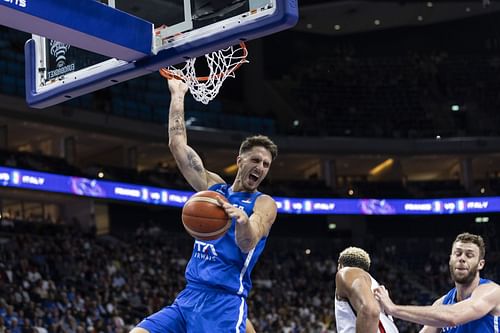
x,y
203,217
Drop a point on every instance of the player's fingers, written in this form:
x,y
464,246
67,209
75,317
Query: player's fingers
x,y
221,202
384,292
231,211
241,220
227,207
380,292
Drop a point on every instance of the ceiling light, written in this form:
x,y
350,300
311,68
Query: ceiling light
x,y
381,167
376,22
231,169
309,26
429,4
482,219
336,27
420,18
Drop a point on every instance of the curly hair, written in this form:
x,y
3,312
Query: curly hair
x,y
355,257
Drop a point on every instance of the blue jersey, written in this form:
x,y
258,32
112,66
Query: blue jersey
x,y
486,324
220,264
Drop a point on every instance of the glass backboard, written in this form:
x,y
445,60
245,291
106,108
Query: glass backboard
x,y
57,71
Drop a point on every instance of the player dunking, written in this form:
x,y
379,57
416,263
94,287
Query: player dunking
x,y
356,309
473,306
214,299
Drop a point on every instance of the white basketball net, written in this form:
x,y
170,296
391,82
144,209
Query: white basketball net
x,y
221,64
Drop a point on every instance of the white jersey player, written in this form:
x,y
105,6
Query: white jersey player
x,y
356,309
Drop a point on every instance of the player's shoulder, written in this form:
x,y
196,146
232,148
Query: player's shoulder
x,y
488,292
266,199
264,196
346,276
351,273
488,286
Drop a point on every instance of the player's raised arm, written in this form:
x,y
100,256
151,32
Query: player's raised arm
x,y
188,161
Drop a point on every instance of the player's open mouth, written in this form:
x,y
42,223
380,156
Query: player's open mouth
x,y
253,177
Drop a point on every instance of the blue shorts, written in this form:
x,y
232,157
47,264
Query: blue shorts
x,y
200,311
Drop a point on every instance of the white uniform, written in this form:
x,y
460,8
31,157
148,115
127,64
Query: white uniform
x,y
346,318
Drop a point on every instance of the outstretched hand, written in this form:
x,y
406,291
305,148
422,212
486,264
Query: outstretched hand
x,y
382,296
234,212
177,87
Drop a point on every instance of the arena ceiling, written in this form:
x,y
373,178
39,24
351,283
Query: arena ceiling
x,y
345,17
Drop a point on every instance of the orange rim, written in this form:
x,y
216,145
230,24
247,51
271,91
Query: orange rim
x,y
166,73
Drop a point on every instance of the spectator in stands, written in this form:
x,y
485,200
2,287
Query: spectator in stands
x,y
2,325
274,302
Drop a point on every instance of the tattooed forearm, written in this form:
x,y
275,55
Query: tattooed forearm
x,y
177,129
194,161
176,124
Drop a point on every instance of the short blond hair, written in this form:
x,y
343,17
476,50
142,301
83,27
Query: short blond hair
x,y
355,257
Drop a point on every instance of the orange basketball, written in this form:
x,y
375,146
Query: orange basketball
x,y
203,217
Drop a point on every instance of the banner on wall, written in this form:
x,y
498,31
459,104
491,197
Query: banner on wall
x,y
103,189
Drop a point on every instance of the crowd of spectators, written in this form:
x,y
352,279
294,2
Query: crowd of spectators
x,y
410,82
399,96
66,281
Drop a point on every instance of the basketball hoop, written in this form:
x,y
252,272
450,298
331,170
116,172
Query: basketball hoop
x,y
222,64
